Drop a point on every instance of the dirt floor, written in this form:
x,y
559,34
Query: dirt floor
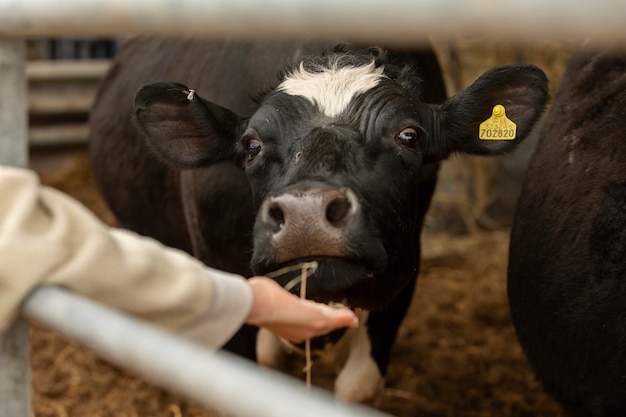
x,y
456,356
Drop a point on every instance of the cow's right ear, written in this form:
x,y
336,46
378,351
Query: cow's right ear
x,y
182,128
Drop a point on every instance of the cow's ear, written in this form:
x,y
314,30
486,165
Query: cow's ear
x,y
182,128
521,91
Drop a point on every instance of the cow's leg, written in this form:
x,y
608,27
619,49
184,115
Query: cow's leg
x,y
359,380
362,377
243,342
270,351
383,326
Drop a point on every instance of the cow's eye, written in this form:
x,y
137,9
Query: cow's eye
x,y
408,136
253,146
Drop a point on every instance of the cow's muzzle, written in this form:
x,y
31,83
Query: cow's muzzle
x,y
314,222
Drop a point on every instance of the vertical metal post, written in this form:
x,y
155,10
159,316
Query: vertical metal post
x,y
15,368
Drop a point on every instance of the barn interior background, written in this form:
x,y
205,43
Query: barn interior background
x,y
457,353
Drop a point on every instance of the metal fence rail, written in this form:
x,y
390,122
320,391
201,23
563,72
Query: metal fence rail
x,y
371,20
15,380
217,380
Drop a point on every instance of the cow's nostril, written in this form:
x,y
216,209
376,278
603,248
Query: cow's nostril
x,y
276,214
337,210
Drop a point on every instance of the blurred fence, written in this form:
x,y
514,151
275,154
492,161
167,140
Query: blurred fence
x,y
390,21
377,21
60,95
217,380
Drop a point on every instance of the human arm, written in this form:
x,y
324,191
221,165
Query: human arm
x,y
46,236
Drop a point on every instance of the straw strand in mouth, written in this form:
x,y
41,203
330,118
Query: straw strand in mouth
x,y
307,343
306,269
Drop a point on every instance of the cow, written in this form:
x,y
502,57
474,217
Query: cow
x,y
259,155
567,255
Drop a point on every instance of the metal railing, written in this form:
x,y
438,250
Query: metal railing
x,y
15,380
371,20
215,379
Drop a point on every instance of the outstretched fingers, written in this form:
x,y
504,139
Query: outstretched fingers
x,y
293,318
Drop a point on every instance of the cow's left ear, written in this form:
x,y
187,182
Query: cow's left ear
x,y
182,128
522,92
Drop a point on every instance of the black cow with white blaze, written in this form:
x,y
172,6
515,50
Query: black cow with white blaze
x,y
567,266
335,162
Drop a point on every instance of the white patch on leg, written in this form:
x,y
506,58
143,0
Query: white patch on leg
x,y
359,380
332,89
269,349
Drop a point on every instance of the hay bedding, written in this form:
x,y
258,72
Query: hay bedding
x,y
456,355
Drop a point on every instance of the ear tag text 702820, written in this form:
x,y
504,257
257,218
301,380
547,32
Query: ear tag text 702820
x,y
498,126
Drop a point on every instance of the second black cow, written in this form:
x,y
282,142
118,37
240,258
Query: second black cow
x,y
567,265
255,156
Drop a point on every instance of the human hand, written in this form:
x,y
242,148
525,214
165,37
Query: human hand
x,y
290,317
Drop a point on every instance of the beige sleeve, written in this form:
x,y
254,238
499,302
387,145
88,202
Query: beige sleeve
x,y
47,237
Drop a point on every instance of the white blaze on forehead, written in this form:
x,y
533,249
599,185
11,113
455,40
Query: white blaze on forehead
x,y
333,88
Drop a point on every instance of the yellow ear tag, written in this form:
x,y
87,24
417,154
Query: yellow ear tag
x,y
497,127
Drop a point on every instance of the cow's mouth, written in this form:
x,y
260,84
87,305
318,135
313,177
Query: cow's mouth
x,y
322,285
329,279
318,344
